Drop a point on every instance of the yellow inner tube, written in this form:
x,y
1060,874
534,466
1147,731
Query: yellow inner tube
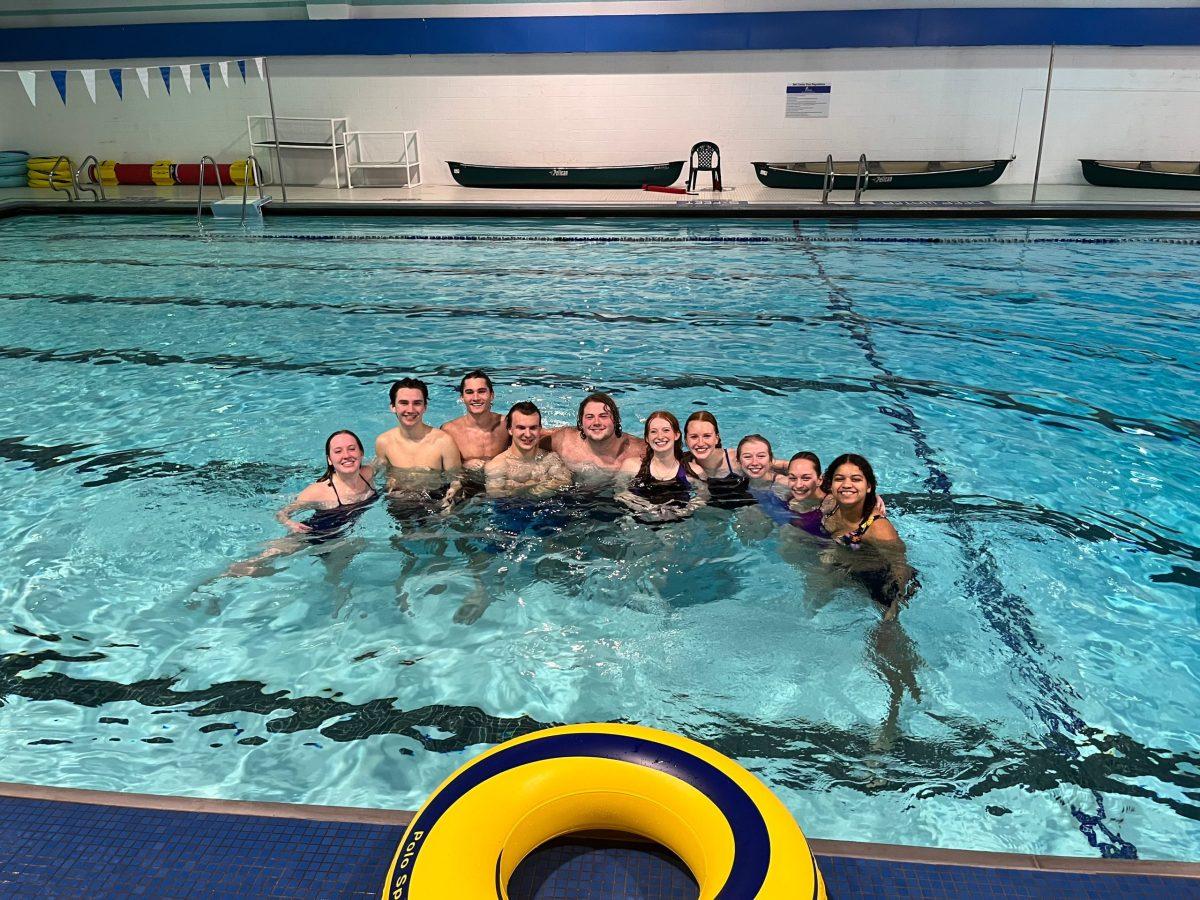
x,y
736,837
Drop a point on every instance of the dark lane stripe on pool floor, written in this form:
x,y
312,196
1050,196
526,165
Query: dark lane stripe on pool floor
x,y
1008,615
52,848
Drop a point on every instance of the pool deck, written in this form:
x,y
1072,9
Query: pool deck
x,y
748,200
67,842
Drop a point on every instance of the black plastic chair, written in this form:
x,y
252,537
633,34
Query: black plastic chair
x,y
705,157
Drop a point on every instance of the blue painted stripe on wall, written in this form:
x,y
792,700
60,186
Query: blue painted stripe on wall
x,y
614,34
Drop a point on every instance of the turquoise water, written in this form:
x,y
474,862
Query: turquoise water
x,y
1027,394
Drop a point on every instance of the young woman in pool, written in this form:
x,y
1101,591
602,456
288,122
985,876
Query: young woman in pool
x,y
708,462
657,486
871,549
338,498
804,492
769,490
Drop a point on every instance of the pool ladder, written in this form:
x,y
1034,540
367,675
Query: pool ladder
x,y
93,185
861,179
255,173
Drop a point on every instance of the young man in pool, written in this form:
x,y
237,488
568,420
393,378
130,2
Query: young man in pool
x,y
595,448
479,433
418,458
525,469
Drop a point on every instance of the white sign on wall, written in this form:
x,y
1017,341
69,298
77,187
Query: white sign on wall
x,y
807,101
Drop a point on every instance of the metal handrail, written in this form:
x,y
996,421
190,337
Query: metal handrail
x,y
200,185
253,169
861,177
66,190
100,195
827,183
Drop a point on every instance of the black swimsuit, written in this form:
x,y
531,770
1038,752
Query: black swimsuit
x,y
729,491
330,523
661,491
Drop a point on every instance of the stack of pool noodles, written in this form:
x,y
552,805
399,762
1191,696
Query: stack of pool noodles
x,y
165,173
40,171
14,166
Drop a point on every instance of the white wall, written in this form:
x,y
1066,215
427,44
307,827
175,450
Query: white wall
x,y
572,109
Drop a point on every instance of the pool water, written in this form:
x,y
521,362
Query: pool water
x,y
1026,392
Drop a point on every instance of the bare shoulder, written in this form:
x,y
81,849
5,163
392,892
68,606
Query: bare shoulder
x,y
440,436
630,465
883,530
385,440
634,448
450,427
317,492
496,464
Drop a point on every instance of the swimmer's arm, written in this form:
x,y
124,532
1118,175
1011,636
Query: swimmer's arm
x,y
495,475
552,439
882,535
623,480
451,464
309,498
699,497
557,475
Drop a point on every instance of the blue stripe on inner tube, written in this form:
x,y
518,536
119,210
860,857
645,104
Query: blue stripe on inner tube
x,y
751,844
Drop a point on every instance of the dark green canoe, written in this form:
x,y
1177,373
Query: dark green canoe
x,y
891,175
1172,176
659,175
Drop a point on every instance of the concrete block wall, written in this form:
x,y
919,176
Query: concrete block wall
x,y
574,109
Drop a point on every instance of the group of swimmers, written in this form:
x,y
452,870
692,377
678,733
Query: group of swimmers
x,y
425,469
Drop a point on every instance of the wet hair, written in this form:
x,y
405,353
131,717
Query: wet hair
x,y
608,403
408,383
751,438
525,408
328,476
475,373
703,415
678,448
811,457
868,473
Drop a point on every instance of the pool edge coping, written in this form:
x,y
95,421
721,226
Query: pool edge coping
x,y
901,853
707,210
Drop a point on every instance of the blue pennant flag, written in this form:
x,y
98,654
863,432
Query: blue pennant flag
x,y
206,71
116,77
166,74
60,82
242,69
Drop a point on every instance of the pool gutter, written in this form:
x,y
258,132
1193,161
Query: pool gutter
x,y
692,209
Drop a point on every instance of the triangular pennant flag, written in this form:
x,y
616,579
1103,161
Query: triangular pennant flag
x,y
186,71
206,71
242,68
166,77
60,82
223,68
89,82
115,74
29,82
258,61
143,74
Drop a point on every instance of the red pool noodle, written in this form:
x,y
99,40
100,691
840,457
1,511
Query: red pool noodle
x,y
663,190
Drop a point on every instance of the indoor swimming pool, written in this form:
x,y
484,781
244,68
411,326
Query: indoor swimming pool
x,y
1025,390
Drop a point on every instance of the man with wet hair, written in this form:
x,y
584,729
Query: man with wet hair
x,y
479,433
596,447
525,469
417,458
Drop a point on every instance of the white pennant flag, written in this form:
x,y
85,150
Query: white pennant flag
x,y
143,74
89,82
29,82
186,72
223,68
258,61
